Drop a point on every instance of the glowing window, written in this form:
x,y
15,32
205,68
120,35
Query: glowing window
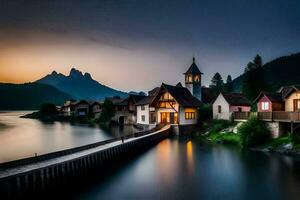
x,y
265,105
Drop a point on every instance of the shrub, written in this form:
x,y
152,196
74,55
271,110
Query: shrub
x,y
295,139
219,124
205,113
254,132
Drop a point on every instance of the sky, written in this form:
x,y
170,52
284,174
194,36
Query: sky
x,y
138,44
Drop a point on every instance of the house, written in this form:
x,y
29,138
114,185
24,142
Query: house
x,y
227,103
173,104
145,113
170,105
126,109
269,102
291,96
68,108
81,108
95,108
287,99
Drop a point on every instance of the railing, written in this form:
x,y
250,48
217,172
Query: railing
x,y
268,116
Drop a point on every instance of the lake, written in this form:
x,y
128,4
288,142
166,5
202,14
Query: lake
x,y
21,138
184,168
176,168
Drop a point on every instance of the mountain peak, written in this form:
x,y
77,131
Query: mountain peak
x,y
75,73
54,72
88,75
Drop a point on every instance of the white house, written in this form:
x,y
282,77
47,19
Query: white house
x,y
227,103
173,104
170,105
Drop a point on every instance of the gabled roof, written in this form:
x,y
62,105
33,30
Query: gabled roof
x,y
182,95
154,91
133,97
287,90
236,99
179,84
272,96
146,100
193,69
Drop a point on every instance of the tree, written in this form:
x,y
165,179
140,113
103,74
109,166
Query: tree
x,y
255,64
229,84
217,83
108,111
253,82
48,109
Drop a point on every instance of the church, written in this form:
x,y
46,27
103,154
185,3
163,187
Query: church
x,y
168,104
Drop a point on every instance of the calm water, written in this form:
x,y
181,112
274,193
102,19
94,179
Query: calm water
x,y
187,169
20,138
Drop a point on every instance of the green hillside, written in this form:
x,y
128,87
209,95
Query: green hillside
x,y
29,96
279,72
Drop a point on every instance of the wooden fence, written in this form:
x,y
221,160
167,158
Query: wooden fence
x,y
269,116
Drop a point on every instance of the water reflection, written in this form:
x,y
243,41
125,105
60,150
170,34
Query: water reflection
x,y
181,168
190,158
24,137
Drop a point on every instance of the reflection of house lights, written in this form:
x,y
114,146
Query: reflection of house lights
x,y
190,158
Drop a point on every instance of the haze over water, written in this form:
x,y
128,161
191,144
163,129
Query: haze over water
x,y
20,138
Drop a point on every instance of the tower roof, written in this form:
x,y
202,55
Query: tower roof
x,y
193,69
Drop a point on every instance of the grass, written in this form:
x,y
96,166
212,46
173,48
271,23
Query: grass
x,y
278,142
225,138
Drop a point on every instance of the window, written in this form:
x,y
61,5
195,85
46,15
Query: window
x,y
143,107
197,78
143,118
265,105
189,78
190,115
219,109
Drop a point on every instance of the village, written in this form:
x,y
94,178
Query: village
x,y
180,106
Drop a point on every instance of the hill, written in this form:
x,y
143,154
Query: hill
x,y
80,86
29,96
278,72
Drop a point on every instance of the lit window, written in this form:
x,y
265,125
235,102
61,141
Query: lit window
x,y
190,115
265,105
197,79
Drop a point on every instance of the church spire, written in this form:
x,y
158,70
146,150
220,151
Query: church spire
x,y
193,59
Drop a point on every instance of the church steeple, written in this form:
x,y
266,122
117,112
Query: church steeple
x,y
193,80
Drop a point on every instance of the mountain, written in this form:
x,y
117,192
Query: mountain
x,y
29,96
137,93
279,72
80,86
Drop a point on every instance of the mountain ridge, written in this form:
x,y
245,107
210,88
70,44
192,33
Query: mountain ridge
x,y
29,96
80,86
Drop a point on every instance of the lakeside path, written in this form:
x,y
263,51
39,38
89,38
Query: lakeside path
x,y
5,173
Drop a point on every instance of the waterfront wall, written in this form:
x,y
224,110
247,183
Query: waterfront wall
x,y
61,174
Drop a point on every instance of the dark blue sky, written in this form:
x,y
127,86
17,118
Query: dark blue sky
x,y
151,38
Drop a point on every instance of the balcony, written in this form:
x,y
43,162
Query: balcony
x,y
278,116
